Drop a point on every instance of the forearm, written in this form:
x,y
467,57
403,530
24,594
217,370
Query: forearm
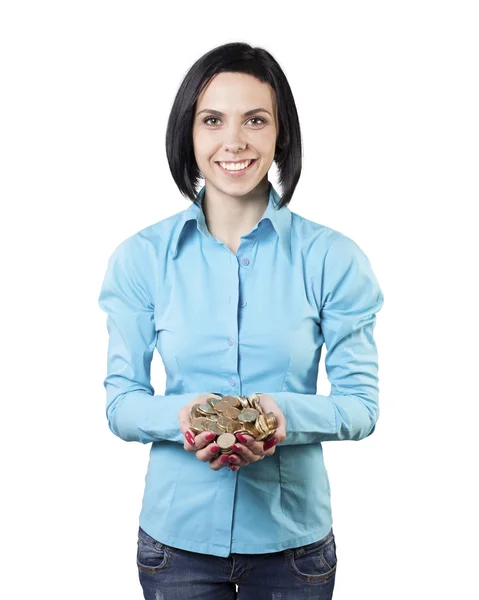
x,y
312,418
138,416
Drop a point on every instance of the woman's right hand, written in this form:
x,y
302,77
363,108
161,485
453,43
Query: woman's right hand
x,y
205,449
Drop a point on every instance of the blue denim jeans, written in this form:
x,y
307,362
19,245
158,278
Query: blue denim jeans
x,y
303,573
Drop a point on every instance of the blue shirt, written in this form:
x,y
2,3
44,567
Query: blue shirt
x,y
237,324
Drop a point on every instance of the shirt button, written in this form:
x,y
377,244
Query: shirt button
x,y
232,382
231,341
245,261
243,302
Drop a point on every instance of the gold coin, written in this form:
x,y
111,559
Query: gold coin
x,y
247,416
261,424
231,412
265,436
231,400
226,440
252,429
221,406
236,402
271,419
196,425
195,412
213,401
215,428
244,401
206,409
223,421
233,426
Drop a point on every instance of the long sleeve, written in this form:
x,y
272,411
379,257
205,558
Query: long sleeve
x,y
350,299
127,295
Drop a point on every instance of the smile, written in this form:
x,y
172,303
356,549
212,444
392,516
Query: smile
x,y
236,169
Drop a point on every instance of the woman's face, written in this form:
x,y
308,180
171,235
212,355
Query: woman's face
x,y
233,136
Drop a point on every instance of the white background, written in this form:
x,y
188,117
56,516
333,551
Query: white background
x,y
387,95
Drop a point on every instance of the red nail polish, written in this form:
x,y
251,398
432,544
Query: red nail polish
x,y
214,448
233,459
270,444
210,436
234,468
237,448
241,438
224,458
190,438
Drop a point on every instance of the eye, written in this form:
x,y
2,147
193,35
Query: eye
x,y
263,121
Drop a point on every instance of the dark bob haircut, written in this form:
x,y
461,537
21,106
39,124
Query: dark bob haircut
x,y
239,58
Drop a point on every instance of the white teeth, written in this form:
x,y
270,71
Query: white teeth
x,y
236,166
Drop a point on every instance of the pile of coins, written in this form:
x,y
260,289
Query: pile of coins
x,y
230,415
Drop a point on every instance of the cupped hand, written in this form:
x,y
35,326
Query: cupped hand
x,y
245,451
184,418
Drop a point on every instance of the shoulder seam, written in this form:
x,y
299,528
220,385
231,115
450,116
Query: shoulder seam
x,y
154,265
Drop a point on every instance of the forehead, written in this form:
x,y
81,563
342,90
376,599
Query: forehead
x,y
236,91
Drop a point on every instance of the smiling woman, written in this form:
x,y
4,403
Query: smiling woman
x,y
238,294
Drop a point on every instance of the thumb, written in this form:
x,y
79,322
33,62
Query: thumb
x,y
184,412
184,418
280,434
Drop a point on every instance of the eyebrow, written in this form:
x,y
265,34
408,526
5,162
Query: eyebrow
x,y
246,114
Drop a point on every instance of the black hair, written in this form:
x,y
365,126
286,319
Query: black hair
x,y
235,57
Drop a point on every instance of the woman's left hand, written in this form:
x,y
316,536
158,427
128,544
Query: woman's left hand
x,y
250,450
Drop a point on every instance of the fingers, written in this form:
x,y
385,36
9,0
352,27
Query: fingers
x,y
269,445
246,453
243,454
249,447
222,461
211,453
208,452
253,449
201,440
191,440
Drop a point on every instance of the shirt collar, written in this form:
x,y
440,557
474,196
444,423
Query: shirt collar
x,y
280,219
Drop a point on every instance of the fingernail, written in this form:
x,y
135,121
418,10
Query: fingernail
x,y
210,436
237,448
233,459
234,468
270,444
190,438
224,458
241,438
214,448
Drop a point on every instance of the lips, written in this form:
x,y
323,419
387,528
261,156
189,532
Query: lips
x,y
239,171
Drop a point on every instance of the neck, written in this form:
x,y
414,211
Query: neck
x,y
229,217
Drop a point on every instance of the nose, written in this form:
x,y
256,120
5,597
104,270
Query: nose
x,y
235,146
235,140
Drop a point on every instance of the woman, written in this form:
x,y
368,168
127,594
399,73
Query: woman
x,y
238,294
